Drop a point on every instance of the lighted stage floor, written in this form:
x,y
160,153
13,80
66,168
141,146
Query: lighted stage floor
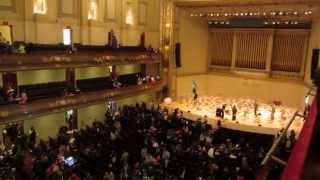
x,y
246,120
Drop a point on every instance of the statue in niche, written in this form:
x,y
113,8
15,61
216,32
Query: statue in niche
x,y
112,40
92,14
143,39
40,6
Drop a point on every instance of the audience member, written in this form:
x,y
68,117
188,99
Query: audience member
x,y
138,143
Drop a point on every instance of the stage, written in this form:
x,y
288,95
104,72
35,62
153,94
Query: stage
x,y
251,115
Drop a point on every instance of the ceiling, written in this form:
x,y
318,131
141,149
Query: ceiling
x,y
285,12
202,3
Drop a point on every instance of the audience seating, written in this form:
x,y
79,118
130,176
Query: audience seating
x,y
94,84
140,143
100,83
45,90
46,47
128,79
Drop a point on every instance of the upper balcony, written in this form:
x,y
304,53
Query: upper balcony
x,y
39,57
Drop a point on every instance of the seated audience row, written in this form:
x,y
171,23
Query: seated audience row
x,y
137,142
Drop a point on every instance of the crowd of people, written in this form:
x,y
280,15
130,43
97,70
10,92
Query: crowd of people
x,y
137,142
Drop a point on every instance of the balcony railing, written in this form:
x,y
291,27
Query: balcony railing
x,y
49,57
51,105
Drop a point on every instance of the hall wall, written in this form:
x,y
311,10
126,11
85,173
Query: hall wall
x,y
47,28
289,93
40,76
193,36
92,72
46,126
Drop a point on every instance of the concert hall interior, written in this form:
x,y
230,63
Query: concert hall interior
x,y
160,89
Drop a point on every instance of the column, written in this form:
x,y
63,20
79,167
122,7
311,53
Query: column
x,y
71,79
234,50
269,52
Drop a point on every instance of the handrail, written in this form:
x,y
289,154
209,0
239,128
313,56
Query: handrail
x,y
299,152
277,141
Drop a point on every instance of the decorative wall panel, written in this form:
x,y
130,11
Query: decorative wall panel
x,y
67,8
251,48
110,10
8,5
143,7
288,50
221,46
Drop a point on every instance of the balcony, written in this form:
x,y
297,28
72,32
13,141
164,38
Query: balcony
x,y
56,56
14,112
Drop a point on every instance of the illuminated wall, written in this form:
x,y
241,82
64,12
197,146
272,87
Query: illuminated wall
x,y
40,76
94,72
54,15
194,57
128,69
46,126
87,115
193,36
91,72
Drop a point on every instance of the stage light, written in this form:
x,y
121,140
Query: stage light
x,y
280,13
241,14
251,14
227,22
225,14
168,25
264,13
191,15
237,14
295,13
266,23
